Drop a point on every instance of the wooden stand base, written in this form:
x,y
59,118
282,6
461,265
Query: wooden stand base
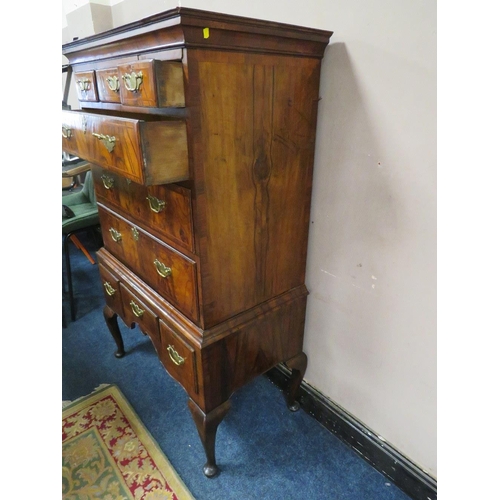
x,y
209,364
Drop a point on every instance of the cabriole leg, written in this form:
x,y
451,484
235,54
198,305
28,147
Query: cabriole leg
x,y
298,365
207,428
111,319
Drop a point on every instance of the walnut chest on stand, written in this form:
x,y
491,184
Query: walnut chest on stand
x,y
201,129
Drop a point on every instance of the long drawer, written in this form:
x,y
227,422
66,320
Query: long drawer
x,y
164,209
146,150
167,271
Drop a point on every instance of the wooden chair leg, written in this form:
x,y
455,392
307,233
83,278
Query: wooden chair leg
x,y
80,246
70,281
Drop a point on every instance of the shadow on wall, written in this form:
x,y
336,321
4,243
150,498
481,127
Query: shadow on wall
x,y
355,214
371,268
352,191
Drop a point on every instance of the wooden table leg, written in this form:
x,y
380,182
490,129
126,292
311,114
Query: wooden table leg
x,y
207,428
111,319
298,365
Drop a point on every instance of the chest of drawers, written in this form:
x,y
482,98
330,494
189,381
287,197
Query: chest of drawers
x,y
201,131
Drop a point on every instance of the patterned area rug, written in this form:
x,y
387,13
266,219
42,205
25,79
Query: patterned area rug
x,y
108,454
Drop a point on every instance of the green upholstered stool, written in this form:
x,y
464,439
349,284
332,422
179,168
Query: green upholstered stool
x,y
84,207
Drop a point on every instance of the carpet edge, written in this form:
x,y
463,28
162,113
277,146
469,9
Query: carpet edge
x,y
68,403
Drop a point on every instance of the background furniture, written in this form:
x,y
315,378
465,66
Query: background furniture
x,y
201,130
73,173
84,205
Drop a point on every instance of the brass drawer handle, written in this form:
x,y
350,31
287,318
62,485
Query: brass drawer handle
x,y
84,85
109,289
108,181
132,81
136,309
175,356
115,234
66,132
155,204
108,141
113,83
162,269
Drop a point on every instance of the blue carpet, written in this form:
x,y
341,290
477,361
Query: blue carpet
x,y
264,451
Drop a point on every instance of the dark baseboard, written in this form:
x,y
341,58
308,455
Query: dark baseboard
x,y
403,473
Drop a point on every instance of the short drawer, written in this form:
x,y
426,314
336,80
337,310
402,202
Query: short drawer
x,y
136,311
111,288
152,83
120,238
178,358
86,87
165,209
145,150
74,138
108,85
167,271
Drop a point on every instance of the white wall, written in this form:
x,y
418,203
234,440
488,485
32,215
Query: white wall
x,y
371,271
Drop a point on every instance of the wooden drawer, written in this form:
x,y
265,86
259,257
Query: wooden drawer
x,y
108,84
178,358
111,288
74,134
136,311
146,150
152,83
86,87
118,237
164,209
167,271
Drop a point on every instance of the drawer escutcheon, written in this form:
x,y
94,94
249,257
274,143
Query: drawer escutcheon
x,y
175,356
66,132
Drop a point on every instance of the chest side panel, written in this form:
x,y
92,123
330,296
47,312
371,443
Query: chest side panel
x,y
253,164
